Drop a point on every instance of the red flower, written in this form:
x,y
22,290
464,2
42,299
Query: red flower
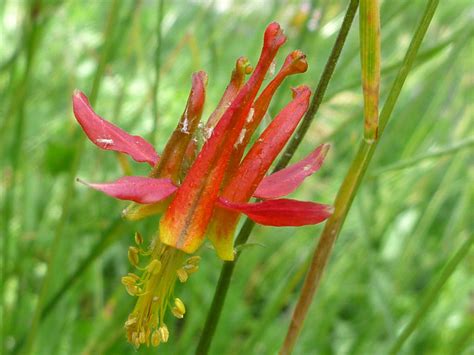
x,y
207,194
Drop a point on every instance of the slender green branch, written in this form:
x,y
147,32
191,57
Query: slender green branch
x,y
244,233
369,24
431,295
349,189
68,197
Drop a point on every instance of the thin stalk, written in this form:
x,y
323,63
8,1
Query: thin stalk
x,y
430,297
227,270
68,197
350,187
156,83
369,23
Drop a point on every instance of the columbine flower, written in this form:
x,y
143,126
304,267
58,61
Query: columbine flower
x,y
206,193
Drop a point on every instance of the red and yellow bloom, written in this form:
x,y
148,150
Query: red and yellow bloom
x,y
205,193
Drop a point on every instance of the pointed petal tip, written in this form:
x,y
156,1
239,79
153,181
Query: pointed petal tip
x,y
78,98
325,148
287,180
79,180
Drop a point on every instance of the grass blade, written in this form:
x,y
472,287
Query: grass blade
x,y
369,20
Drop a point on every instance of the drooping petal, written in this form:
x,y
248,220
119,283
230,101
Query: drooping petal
x,y
107,136
285,181
140,189
282,212
184,224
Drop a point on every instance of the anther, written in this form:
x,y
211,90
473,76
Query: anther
x,y
142,337
155,338
191,268
133,256
135,340
132,275
193,260
130,322
176,313
132,290
154,267
179,305
182,275
164,333
138,238
128,281
179,309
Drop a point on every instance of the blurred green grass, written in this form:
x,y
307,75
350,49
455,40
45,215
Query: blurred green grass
x,y
404,226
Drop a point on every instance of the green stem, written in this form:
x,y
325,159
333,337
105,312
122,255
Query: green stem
x,y
349,189
369,28
68,197
228,267
432,294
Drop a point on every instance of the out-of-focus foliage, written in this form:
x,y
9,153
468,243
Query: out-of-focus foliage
x,y
406,222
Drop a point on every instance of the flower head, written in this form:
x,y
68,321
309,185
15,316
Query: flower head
x,y
205,192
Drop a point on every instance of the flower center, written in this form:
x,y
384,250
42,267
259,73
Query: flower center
x,y
154,290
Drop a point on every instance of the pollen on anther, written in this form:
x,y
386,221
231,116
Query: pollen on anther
x,y
155,338
133,256
182,275
164,333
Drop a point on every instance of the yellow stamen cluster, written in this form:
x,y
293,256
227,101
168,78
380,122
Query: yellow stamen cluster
x,y
154,289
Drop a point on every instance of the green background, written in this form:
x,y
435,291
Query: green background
x,y
412,213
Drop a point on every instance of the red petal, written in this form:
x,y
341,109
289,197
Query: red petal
x,y
107,136
185,222
242,68
258,160
175,150
140,189
294,63
283,212
287,180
